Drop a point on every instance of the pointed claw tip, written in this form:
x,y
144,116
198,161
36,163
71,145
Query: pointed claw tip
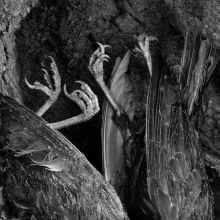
x,y
106,45
51,58
99,44
151,38
105,59
28,84
103,46
42,64
44,70
25,79
79,81
64,89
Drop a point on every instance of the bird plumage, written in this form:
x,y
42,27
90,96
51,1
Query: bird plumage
x,y
44,176
198,62
124,161
177,182
114,166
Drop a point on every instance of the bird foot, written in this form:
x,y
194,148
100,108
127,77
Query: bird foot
x,y
86,100
144,44
52,93
88,96
96,68
96,62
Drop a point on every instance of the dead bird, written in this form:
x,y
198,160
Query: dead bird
x,y
173,185
177,181
43,175
124,157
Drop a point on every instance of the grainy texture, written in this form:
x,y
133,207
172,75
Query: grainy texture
x,y
77,191
68,30
11,14
197,15
209,123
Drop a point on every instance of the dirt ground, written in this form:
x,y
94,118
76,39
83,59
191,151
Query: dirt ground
x,y
68,31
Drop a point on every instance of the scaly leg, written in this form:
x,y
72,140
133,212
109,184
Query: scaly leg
x,y
85,99
80,97
53,94
144,44
96,68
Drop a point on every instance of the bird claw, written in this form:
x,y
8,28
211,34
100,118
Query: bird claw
x,y
85,96
96,62
86,100
144,44
96,68
52,93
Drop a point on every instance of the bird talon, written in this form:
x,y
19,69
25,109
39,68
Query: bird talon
x,y
87,96
91,95
144,44
102,47
86,100
74,97
96,62
47,78
52,93
86,88
89,105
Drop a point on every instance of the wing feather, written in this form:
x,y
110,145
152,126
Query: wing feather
x,y
112,139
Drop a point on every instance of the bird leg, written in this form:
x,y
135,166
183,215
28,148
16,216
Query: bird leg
x,y
120,118
144,44
52,93
85,99
80,98
96,68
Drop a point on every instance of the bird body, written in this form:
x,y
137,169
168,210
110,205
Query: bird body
x,y
43,176
177,182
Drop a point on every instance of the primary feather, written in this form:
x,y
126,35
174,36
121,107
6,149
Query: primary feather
x,y
177,182
121,87
112,139
198,62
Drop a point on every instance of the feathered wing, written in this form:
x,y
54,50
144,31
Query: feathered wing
x,y
177,182
44,176
112,139
121,87
198,63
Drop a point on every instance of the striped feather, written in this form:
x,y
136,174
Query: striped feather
x,y
112,139
198,63
177,183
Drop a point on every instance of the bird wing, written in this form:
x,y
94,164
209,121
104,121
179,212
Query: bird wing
x,y
68,188
177,182
112,139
